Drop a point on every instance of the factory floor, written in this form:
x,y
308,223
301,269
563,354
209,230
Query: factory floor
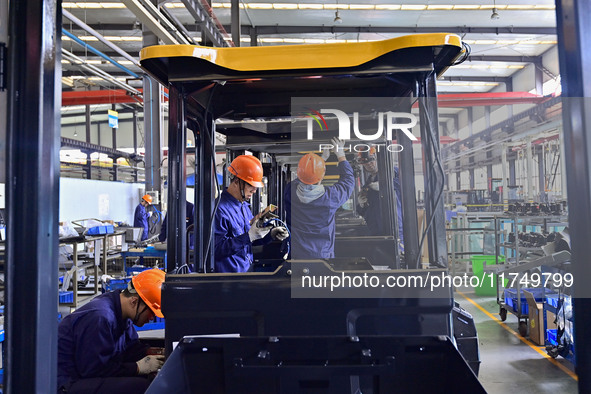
x,y
508,362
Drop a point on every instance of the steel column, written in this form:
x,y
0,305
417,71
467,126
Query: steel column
x,y
33,140
153,121
504,168
410,225
114,144
529,168
433,170
541,175
177,209
574,34
235,18
88,132
135,120
3,93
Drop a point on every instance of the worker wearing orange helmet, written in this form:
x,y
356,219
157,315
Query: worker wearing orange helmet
x,y
311,207
235,228
98,346
141,215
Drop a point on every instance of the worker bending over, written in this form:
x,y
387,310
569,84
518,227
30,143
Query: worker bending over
x,y
311,207
235,228
140,217
98,346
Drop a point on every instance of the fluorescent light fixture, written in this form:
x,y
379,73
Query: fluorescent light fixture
x,y
520,7
309,6
466,7
440,7
260,6
388,7
413,7
285,6
361,7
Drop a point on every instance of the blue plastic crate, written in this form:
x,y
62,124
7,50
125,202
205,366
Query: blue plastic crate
x,y
552,300
551,336
511,298
116,284
99,230
66,297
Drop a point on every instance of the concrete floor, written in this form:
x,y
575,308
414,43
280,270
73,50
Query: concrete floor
x,y
507,363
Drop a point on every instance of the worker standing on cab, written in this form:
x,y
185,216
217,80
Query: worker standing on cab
x,y
311,207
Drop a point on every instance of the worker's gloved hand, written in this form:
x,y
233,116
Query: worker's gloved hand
x,y
338,147
279,233
325,154
362,199
149,364
150,213
374,186
256,232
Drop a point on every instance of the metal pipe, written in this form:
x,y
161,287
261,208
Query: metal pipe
x,y
102,39
97,71
99,53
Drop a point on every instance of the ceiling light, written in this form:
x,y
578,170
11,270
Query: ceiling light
x,y
495,15
337,18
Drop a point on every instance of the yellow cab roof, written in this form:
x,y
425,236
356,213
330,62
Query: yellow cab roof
x,y
169,63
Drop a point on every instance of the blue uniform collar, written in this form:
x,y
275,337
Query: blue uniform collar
x,y
227,197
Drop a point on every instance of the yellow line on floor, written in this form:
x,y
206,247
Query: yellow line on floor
x,y
522,339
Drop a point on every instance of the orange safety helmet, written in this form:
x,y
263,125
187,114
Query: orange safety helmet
x,y
147,284
147,198
311,168
248,168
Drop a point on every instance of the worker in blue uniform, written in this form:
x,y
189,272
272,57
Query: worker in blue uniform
x,y
369,198
311,207
235,228
141,215
189,220
98,346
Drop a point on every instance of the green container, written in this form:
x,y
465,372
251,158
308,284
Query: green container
x,y
487,286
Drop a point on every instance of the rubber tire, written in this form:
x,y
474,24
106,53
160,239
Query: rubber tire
x,y
503,314
522,328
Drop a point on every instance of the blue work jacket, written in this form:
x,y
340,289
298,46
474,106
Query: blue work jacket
x,y
312,224
233,249
372,213
140,219
190,219
95,341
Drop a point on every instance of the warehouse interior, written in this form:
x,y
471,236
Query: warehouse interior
x,y
107,102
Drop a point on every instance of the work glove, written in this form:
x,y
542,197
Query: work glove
x,y
325,154
279,233
149,364
362,200
256,232
338,147
374,186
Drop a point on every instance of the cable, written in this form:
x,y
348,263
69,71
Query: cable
x,y
467,51
438,199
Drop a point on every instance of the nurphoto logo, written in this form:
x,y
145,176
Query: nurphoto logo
x,y
387,122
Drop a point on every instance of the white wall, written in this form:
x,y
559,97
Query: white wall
x,y
84,199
